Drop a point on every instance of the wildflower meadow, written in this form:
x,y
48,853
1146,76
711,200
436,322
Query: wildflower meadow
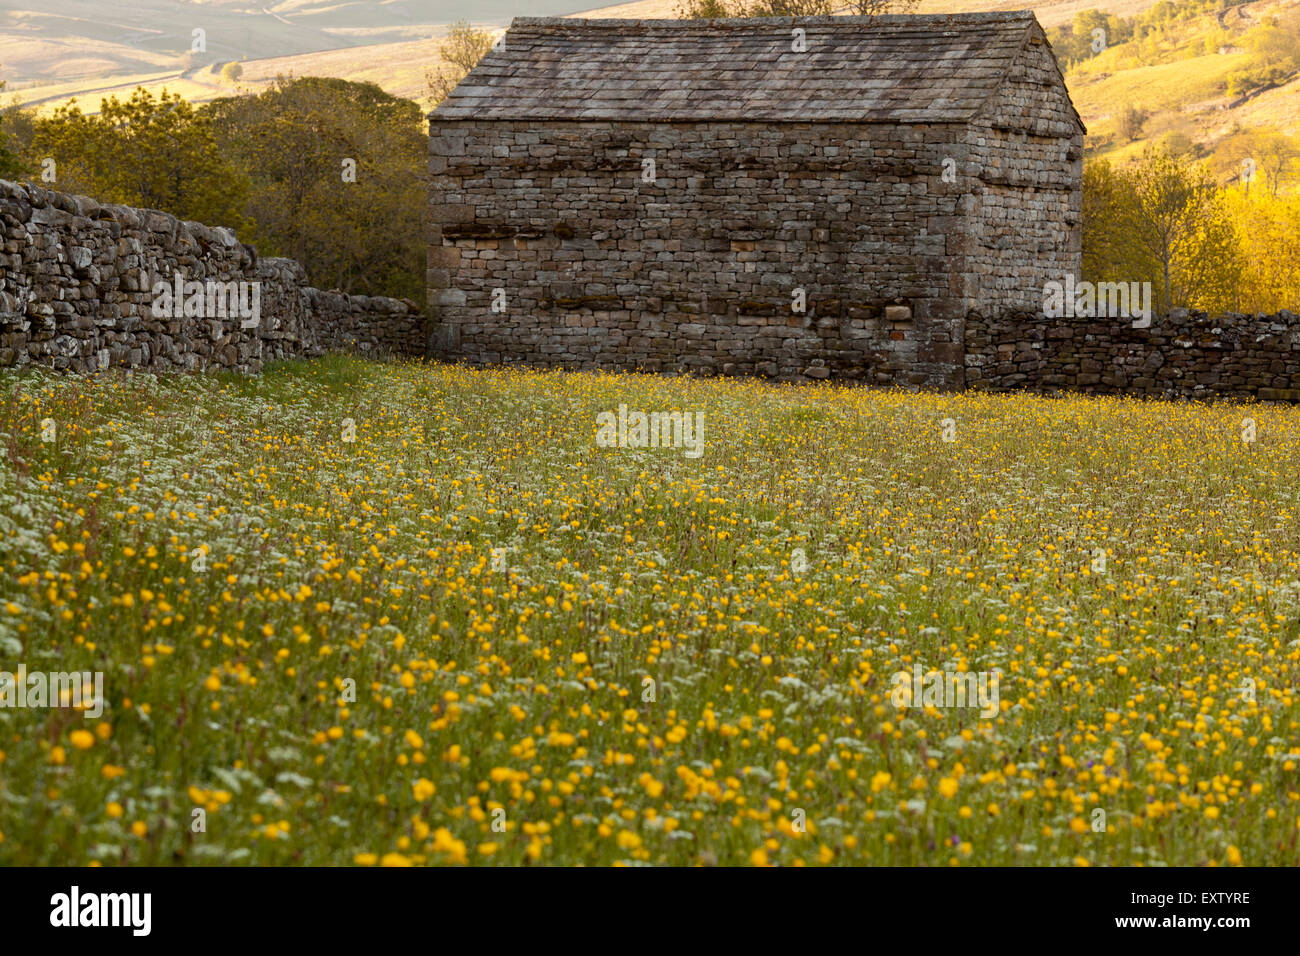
x,y
364,613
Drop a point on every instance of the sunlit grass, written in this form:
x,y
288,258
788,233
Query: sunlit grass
x,y
506,597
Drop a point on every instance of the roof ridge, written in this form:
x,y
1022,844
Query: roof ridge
x,y
919,19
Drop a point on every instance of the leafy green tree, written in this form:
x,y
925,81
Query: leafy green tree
x,y
1275,158
11,164
1182,227
153,153
1081,41
1161,220
1275,45
461,51
334,174
1110,250
1085,25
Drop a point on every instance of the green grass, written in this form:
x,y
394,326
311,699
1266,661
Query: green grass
x,y
1158,689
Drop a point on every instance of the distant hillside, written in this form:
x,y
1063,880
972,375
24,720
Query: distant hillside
x,y
1197,84
51,50
46,40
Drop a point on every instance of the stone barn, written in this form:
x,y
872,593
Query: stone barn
x,y
796,198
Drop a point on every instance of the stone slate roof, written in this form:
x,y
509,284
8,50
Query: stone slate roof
x,y
885,69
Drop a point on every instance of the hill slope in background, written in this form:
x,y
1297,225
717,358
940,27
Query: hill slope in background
x,y
52,51
65,39
1187,80
62,49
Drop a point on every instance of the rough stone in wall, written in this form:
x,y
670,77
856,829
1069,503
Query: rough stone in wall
x,y
76,293
654,194
367,325
1185,354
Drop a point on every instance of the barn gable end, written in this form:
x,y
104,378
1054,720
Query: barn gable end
x,y
1027,160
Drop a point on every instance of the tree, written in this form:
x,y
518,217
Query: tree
x,y
334,174
231,72
1081,39
1181,225
872,8
1276,46
1111,252
787,8
1131,121
1085,27
703,10
461,51
1177,143
16,127
11,167
1162,220
1275,157
152,153
1268,228
1274,59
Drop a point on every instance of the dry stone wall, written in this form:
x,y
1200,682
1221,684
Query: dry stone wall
x,y
77,292
1182,355
77,276
679,247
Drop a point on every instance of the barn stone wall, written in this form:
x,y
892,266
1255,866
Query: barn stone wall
x,y
76,281
1181,355
695,270
894,233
